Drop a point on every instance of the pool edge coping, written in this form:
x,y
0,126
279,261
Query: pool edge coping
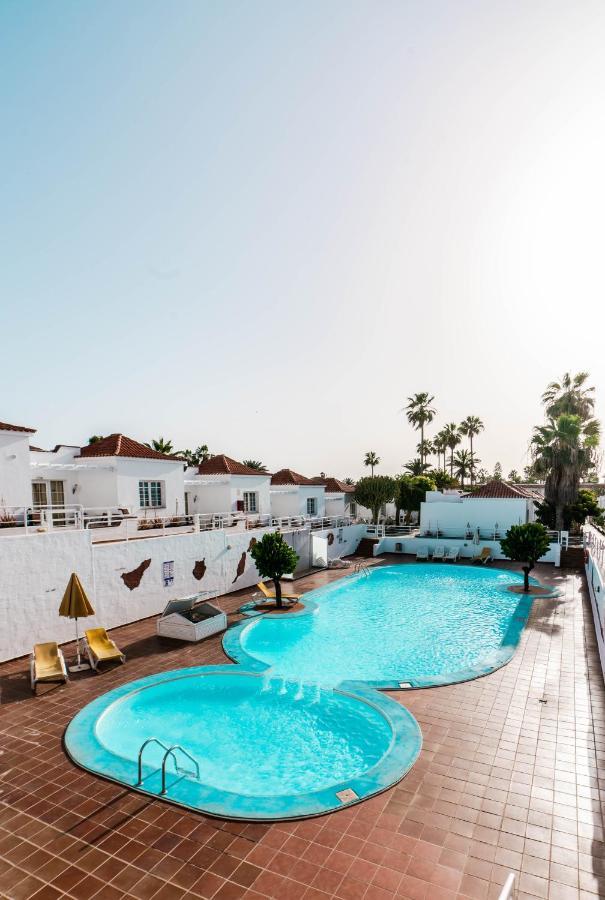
x,y
393,766
234,651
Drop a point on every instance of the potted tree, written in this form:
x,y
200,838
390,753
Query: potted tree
x,y
526,544
274,558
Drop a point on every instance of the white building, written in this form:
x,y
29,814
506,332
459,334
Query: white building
x,y
221,484
116,472
293,494
15,478
338,496
492,509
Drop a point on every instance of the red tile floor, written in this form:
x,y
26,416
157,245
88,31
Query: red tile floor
x,y
509,779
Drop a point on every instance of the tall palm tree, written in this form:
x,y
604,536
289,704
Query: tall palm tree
x,y
470,428
452,439
440,446
372,460
569,396
255,464
463,465
420,412
161,446
562,450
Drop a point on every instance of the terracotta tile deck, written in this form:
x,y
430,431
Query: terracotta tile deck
x,y
505,782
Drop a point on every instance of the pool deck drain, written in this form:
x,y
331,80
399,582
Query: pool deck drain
x,y
348,795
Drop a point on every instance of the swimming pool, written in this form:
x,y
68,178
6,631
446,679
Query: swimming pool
x,y
250,746
399,626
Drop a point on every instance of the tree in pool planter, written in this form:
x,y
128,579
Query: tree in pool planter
x,y
526,544
374,493
274,558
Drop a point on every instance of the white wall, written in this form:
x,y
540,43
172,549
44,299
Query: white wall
x,y
291,500
131,471
36,568
212,497
15,481
222,495
482,513
335,504
596,590
285,501
260,484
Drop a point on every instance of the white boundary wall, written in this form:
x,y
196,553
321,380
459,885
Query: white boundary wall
x,y
595,578
36,568
467,548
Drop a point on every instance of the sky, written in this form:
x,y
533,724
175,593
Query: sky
x,y
263,225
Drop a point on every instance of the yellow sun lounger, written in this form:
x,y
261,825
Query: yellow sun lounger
x,y
47,663
484,557
270,595
101,648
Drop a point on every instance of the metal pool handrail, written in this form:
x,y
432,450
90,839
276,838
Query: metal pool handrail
x,y
171,752
151,740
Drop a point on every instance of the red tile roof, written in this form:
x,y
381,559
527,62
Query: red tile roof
x,y
224,465
334,485
4,426
287,476
120,445
501,490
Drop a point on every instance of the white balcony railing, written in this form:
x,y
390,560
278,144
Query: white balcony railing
x,y
116,524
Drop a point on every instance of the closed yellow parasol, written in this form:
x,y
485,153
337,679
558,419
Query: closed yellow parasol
x,y
76,605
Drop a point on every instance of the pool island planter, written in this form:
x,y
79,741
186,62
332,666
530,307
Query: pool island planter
x,y
85,748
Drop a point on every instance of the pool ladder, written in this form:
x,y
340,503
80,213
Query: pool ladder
x,y
169,752
361,569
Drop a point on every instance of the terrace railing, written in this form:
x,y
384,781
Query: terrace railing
x,y
402,530
472,534
117,524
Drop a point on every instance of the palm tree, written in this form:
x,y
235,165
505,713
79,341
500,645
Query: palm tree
x,y
416,466
440,446
569,396
463,465
255,464
452,439
420,412
425,448
349,481
197,456
161,446
470,428
563,449
372,460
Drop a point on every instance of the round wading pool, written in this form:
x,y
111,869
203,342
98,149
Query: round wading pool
x,y
415,625
246,746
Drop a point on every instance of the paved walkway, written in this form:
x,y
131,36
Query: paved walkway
x,y
508,780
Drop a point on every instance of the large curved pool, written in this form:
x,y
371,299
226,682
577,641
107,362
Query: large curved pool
x,y
248,746
398,626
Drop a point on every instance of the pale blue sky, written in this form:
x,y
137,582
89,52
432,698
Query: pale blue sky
x,y
262,225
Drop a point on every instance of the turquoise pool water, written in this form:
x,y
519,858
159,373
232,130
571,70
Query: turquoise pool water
x,y
422,624
265,748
